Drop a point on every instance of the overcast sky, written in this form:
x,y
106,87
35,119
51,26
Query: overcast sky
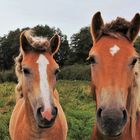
x,y
68,15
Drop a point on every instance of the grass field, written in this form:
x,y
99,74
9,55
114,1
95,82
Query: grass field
x,y
74,97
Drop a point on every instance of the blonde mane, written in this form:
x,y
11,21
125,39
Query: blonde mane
x,y
134,99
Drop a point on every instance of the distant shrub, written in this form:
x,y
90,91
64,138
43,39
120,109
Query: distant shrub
x,y
75,72
7,76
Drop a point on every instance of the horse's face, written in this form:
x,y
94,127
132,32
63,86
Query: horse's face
x,y
112,74
112,61
38,83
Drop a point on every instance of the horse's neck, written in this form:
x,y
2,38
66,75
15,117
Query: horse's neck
x,y
138,126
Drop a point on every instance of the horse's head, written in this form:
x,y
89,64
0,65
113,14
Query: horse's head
x,y
38,75
113,58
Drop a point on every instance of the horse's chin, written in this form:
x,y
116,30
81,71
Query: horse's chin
x,y
110,134
44,125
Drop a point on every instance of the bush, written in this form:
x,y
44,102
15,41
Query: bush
x,y
75,72
8,76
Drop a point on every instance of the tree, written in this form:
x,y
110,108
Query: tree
x,y
81,43
9,46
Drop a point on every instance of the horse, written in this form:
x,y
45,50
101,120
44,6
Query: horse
x,y
37,114
115,78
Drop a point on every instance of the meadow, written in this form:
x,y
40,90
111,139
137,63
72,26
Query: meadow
x,y
75,99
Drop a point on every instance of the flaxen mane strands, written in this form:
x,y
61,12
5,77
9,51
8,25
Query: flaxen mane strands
x,y
135,99
18,70
36,43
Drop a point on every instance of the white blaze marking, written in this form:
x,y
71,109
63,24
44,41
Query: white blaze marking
x,y
114,50
44,85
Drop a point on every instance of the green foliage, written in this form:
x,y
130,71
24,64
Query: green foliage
x,y
8,76
75,72
78,107
80,45
7,101
75,100
9,46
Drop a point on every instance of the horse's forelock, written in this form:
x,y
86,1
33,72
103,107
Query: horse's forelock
x,y
116,28
37,43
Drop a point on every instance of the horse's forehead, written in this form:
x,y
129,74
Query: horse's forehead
x,y
110,48
32,58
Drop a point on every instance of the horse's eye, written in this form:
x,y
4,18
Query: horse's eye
x,y
26,71
57,71
92,60
134,61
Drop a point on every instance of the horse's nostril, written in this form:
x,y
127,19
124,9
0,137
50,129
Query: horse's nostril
x,y
48,114
99,112
41,109
124,115
54,111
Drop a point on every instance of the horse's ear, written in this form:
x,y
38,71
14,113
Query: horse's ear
x,y
96,26
25,41
55,43
134,28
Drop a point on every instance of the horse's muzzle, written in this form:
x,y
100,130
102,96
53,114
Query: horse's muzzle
x,y
43,122
111,122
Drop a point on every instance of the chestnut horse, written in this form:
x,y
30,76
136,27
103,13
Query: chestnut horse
x,y
38,114
115,78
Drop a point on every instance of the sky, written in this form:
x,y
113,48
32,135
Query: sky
x,y
68,15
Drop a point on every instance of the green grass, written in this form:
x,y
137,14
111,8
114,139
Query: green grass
x,y
75,99
7,102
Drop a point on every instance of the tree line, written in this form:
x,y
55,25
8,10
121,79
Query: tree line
x,y
70,52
